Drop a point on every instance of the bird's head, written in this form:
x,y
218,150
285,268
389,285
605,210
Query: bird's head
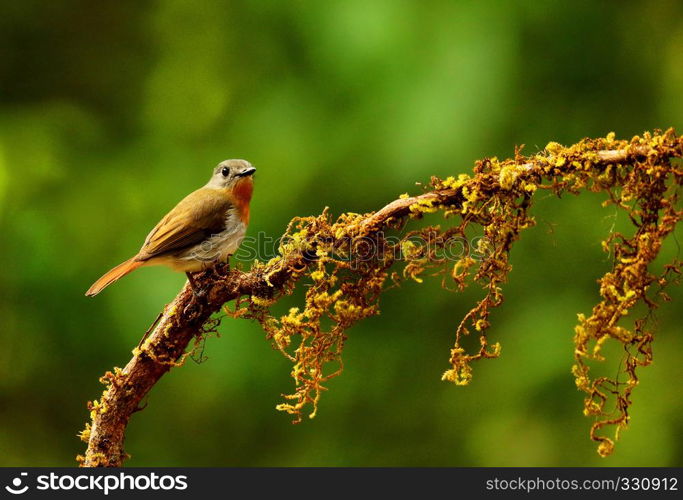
x,y
229,173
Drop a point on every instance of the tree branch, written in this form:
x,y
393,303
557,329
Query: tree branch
x,y
181,321
186,317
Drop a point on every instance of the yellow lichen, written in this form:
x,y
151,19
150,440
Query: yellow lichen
x,y
349,265
84,435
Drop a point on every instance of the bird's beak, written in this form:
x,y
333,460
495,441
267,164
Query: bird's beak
x,y
247,172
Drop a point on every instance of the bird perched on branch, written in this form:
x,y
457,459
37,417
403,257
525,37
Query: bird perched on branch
x,y
206,227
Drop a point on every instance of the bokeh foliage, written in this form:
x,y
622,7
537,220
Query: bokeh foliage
x,y
111,113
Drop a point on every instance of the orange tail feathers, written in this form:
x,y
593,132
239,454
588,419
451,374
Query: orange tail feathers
x,y
115,274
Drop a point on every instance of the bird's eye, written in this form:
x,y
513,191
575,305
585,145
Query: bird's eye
x,y
225,171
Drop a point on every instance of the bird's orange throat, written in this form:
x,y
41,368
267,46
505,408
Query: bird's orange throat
x,y
242,196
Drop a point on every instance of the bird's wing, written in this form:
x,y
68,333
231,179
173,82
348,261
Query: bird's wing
x,y
198,216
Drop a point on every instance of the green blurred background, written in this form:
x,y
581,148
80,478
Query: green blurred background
x,y
111,112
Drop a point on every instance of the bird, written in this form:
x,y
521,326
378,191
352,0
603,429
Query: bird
x,y
205,227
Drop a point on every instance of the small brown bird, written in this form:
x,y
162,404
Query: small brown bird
x,y
206,227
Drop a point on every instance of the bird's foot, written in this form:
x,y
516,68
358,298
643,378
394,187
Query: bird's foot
x,y
197,291
222,270
198,298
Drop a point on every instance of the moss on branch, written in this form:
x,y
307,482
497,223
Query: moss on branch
x,y
349,261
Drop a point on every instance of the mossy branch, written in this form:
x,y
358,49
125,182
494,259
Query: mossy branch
x,y
349,261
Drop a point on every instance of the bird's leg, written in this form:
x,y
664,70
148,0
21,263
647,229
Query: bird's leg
x,y
196,290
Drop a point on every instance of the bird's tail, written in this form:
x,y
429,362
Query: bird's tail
x,y
115,274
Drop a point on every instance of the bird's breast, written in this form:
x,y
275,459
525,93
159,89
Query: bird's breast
x,y
242,197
